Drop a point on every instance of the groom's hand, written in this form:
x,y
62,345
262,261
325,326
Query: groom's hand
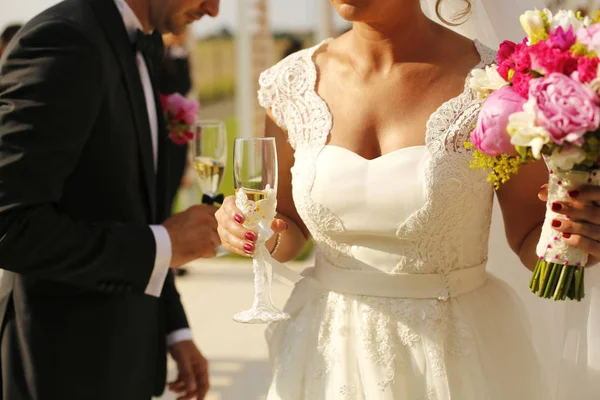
x,y
193,234
192,378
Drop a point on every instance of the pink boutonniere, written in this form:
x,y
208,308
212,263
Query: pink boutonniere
x,y
180,114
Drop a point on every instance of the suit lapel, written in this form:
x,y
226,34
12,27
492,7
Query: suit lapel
x,y
163,166
113,26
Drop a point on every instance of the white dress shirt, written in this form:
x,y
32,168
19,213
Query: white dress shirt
x,y
161,236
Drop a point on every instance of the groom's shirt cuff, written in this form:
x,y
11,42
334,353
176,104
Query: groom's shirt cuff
x,y
179,336
161,261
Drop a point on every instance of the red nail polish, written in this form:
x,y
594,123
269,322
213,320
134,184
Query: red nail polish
x,y
566,235
250,236
574,193
238,218
556,207
556,223
248,247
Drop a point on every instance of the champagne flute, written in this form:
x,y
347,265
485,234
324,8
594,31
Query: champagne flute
x,y
255,177
209,151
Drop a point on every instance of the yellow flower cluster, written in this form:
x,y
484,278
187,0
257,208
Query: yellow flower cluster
x,y
582,50
501,167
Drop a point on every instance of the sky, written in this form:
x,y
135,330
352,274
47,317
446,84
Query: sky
x,y
288,15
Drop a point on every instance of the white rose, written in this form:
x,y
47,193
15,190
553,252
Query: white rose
x,y
532,23
566,19
525,133
485,81
548,13
566,159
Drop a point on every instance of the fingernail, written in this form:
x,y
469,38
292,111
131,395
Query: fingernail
x,y
556,207
573,193
250,236
566,235
248,247
556,223
238,218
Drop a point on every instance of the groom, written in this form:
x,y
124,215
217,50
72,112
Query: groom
x,y
88,304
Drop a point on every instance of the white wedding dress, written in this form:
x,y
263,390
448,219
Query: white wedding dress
x,y
399,304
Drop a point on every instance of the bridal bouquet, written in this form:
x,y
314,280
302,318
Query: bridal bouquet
x,y
180,114
541,100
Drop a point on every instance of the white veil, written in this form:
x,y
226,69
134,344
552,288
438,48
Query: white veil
x,y
567,333
480,25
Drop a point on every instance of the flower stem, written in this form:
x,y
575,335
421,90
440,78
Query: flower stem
x,y
549,289
568,282
544,279
560,286
535,277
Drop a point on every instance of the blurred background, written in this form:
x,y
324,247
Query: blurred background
x,y
223,58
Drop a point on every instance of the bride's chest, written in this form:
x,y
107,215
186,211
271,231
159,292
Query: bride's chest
x,y
376,120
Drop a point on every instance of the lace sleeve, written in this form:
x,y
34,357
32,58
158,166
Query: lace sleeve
x,y
268,95
287,89
462,123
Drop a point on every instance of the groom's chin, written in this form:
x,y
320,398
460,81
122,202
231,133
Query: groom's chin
x,y
177,26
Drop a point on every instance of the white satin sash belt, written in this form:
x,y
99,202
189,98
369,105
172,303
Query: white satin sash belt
x,y
409,286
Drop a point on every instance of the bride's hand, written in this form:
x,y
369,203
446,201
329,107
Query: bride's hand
x,y
580,225
234,236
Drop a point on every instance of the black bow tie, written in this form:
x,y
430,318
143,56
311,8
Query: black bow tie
x,y
208,200
151,46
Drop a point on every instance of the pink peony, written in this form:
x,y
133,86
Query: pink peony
x,y
490,135
182,109
590,37
587,69
566,108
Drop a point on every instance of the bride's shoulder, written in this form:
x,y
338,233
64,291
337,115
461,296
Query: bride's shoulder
x,y
298,62
289,77
287,81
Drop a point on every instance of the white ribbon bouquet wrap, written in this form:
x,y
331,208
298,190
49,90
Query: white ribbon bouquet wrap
x,y
559,273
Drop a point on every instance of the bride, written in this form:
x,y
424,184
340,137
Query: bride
x,y
370,129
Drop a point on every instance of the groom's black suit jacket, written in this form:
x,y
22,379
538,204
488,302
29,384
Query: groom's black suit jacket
x,y
78,190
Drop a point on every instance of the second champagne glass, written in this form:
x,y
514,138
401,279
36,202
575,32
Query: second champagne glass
x,y
209,152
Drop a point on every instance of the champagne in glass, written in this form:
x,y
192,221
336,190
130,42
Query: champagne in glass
x,y
210,174
209,152
255,176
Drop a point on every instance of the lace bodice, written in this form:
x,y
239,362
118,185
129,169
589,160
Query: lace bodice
x,y
430,216
450,229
